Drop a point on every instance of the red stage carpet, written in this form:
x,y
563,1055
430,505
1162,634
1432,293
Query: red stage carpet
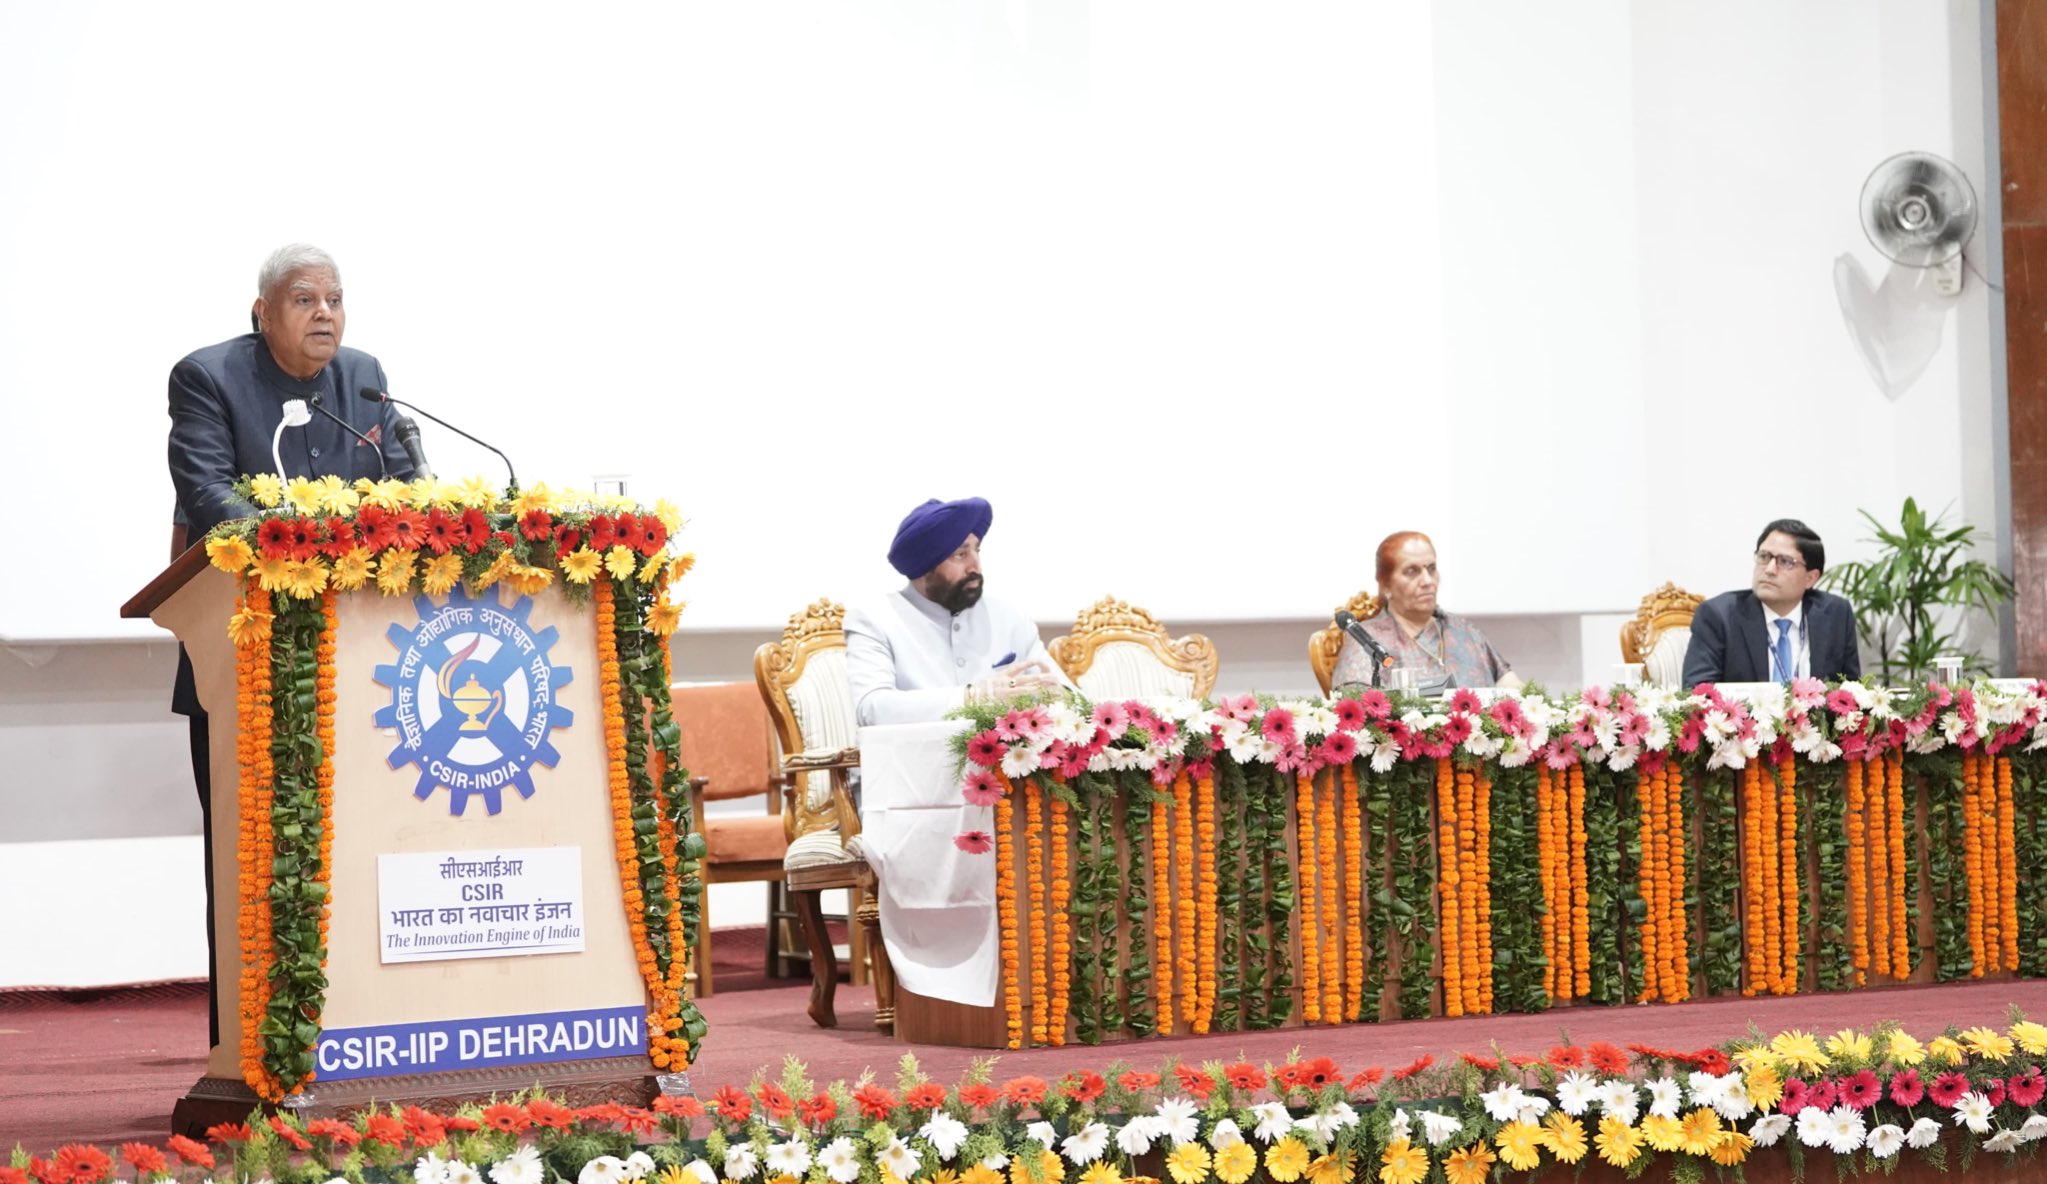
x,y
106,1066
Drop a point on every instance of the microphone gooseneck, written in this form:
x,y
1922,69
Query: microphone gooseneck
x,y
319,403
376,396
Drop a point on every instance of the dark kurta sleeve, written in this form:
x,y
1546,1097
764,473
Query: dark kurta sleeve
x,y
202,451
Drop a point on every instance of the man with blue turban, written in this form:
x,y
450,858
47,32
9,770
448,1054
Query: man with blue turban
x,y
936,643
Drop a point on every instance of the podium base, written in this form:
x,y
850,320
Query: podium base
x,y
628,1080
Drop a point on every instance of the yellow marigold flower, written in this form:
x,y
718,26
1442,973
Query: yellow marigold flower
x,y
2031,1036
1564,1137
274,574
1403,1163
1101,1171
1518,1143
1850,1045
1287,1160
670,516
303,495
1335,1168
1469,1165
1699,1132
477,493
1619,1144
352,570
1987,1042
662,619
620,563
681,565
1801,1051
1906,1052
1234,1163
980,1174
1662,1133
230,553
250,626
1945,1049
441,574
395,571
1764,1087
335,495
1732,1148
1053,1170
582,565
1188,1163
266,490
388,494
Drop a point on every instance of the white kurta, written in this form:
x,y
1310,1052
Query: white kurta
x,y
909,660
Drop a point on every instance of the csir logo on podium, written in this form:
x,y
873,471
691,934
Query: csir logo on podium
x,y
473,698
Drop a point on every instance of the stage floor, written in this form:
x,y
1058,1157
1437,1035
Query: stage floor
x,y
106,1066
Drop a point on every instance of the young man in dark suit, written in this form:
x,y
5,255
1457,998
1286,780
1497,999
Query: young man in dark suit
x,y
1782,626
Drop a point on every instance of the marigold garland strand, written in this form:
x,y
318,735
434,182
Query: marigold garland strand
x,y
1788,890
1188,956
1034,893
1162,917
1062,924
1677,922
1546,858
1483,818
1332,945
1856,834
1649,793
1473,970
1581,909
1205,898
2007,858
610,694
1448,890
1354,911
1972,858
1901,942
1310,899
1005,909
253,800
1877,810
670,1051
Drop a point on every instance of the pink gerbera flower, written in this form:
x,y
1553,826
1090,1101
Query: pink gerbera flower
x,y
1861,1090
1947,1089
1458,730
1010,726
2027,1088
1350,714
1842,702
1906,1088
1822,1095
1995,1092
1279,726
974,842
1582,733
1112,718
986,750
1243,708
1506,713
1376,705
1465,700
981,788
1596,698
1794,1098
1338,748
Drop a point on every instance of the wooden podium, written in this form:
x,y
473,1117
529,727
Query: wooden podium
x,y
478,940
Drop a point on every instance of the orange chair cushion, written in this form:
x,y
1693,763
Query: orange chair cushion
x,y
746,839
726,737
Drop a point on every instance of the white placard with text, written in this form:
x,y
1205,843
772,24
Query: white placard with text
x,y
435,905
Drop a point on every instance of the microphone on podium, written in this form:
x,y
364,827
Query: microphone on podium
x,y
319,404
1356,629
376,396
408,439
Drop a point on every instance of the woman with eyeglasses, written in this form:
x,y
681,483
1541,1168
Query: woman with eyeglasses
x,y
1411,643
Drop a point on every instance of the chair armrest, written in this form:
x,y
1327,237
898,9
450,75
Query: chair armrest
x,y
819,762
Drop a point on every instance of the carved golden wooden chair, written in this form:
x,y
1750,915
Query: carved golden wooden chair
x,y
1659,633
802,678
1325,643
1120,651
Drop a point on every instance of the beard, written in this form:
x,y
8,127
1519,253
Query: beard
x,y
959,597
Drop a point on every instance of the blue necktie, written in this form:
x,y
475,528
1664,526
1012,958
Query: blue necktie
x,y
1785,658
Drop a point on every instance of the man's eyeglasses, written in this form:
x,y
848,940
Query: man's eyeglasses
x,y
1765,560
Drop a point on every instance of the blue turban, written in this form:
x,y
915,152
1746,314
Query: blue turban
x,y
935,530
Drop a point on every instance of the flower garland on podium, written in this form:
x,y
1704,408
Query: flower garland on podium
x,y
312,540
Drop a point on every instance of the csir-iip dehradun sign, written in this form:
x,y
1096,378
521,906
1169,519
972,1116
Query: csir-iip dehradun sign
x,y
440,1045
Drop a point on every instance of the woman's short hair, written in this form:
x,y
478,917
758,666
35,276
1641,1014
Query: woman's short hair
x,y
1389,550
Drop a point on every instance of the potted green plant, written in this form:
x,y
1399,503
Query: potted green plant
x,y
1921,566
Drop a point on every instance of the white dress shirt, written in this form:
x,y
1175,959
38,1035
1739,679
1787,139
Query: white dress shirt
x,y
909,660
1801,650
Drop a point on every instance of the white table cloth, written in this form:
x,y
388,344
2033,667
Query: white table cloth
x,y
937,902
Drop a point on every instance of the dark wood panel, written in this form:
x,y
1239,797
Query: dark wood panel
x,y
2022,107
2022,131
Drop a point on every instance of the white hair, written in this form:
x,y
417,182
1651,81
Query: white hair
x,y
289,258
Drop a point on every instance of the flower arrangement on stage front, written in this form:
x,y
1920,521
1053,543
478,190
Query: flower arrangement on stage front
x,y
1966,1100
311,540
1542,846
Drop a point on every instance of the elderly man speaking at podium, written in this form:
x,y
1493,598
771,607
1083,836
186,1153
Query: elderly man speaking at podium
x,y
935,643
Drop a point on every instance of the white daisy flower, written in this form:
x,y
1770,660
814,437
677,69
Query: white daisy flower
x,y
1664,1097
1225,1133
1884,1141
1136,1136
741,1162
522,1167
1844,1129
1924,1133
1734,1104
1576,1092
1813,1127
945,1134
1438,1127
431,1169
903,1160
789,1159
637,1165
1973,1111
2035,1128
1503,1102
996,1162
1343,1116
1273,1121
695,1167
1769,1128
2003,1141
1177,1121
1043,1132
840,1161
1087,1144
1621,1099
605,1169
1533,1107
1019,760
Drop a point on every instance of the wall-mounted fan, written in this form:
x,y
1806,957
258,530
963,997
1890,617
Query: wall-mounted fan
x,y
1919,211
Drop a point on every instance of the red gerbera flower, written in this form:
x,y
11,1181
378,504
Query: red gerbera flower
x,y
336,1131
1245,1076
1414,1067
462,1124
603,532
506,539
630,532
979,1095
373,526
2027,1088
818,1110
305,538
1566,1056
273,538
408,530
509,1118
192,1151
635,1121
1320,1072
1350,714
566,540
1947,1089
1337,748
1994,1092
383,1128
1906,1088
426,1129
78,1163
1482,1064
1607,1059
340,538
289,1134
1521,1060
552,1114
475,529
1084,1086
684,1107
443,532
925,1095
731,1103
43,1170
146,1160
1137,1081
1369,1079
1024,1091
603,1113
1711,1060
775,1101
536,526
1195,1081
10,1175
874,1101
1822,1094
654,534
1860,1091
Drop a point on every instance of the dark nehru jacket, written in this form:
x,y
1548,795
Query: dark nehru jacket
x,y
227,400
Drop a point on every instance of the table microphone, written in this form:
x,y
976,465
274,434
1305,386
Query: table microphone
x,y
1356,629
376,396
319,404
407,433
